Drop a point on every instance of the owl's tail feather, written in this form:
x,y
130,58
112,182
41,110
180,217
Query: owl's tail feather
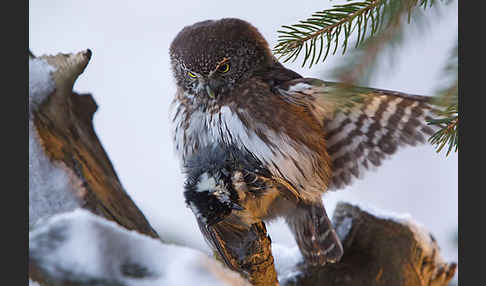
x,y
314,234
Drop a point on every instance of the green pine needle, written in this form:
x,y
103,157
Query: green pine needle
x,y
375,25
323,30
447,135
449,118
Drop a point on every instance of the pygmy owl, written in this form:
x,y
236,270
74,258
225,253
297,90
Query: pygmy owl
x,y
306,135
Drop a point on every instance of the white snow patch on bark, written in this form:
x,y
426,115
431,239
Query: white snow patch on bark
x,y
285,259
41,83
344,227
84,247
50,188
33,283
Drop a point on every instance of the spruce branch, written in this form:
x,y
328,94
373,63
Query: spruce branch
x,y
324,29
449,118
378,28
447,135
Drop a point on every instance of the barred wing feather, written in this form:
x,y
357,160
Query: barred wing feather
x,y
362,126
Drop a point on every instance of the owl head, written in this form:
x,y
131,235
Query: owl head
x,y
210,58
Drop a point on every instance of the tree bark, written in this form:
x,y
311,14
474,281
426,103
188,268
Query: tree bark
x,y
64,129
377,250
249,252
63,123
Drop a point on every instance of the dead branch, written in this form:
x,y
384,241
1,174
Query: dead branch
x,y
249,253
63,128
377,250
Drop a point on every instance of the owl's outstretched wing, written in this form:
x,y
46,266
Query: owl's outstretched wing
x,y
362,126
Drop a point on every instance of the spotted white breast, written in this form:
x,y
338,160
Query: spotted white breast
x,y
198,128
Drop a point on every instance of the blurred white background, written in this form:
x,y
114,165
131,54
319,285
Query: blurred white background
x,y
130,78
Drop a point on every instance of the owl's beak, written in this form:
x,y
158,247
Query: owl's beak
x,y
210,92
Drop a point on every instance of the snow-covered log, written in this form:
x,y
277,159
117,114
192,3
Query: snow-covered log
x,y
79,248
68,167
379,249
69,170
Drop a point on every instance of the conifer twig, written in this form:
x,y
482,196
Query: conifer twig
x,y
324,28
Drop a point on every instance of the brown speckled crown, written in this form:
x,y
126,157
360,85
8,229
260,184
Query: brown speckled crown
x,y
205,43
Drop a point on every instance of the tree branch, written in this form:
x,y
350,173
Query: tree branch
x,y
63,147
377,250
249,252
63,125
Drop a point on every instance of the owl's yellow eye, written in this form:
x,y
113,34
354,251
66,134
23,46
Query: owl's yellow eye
x,y
191,75
224,68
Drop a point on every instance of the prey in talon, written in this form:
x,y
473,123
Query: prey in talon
x,y
227,185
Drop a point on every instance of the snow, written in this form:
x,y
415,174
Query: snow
x,y
382,214
286,259
33,283
50,186
50,189
344,227
41,83
81,246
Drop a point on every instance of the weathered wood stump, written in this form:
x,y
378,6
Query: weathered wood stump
x,y
377,250
61,135
63,126
249,252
